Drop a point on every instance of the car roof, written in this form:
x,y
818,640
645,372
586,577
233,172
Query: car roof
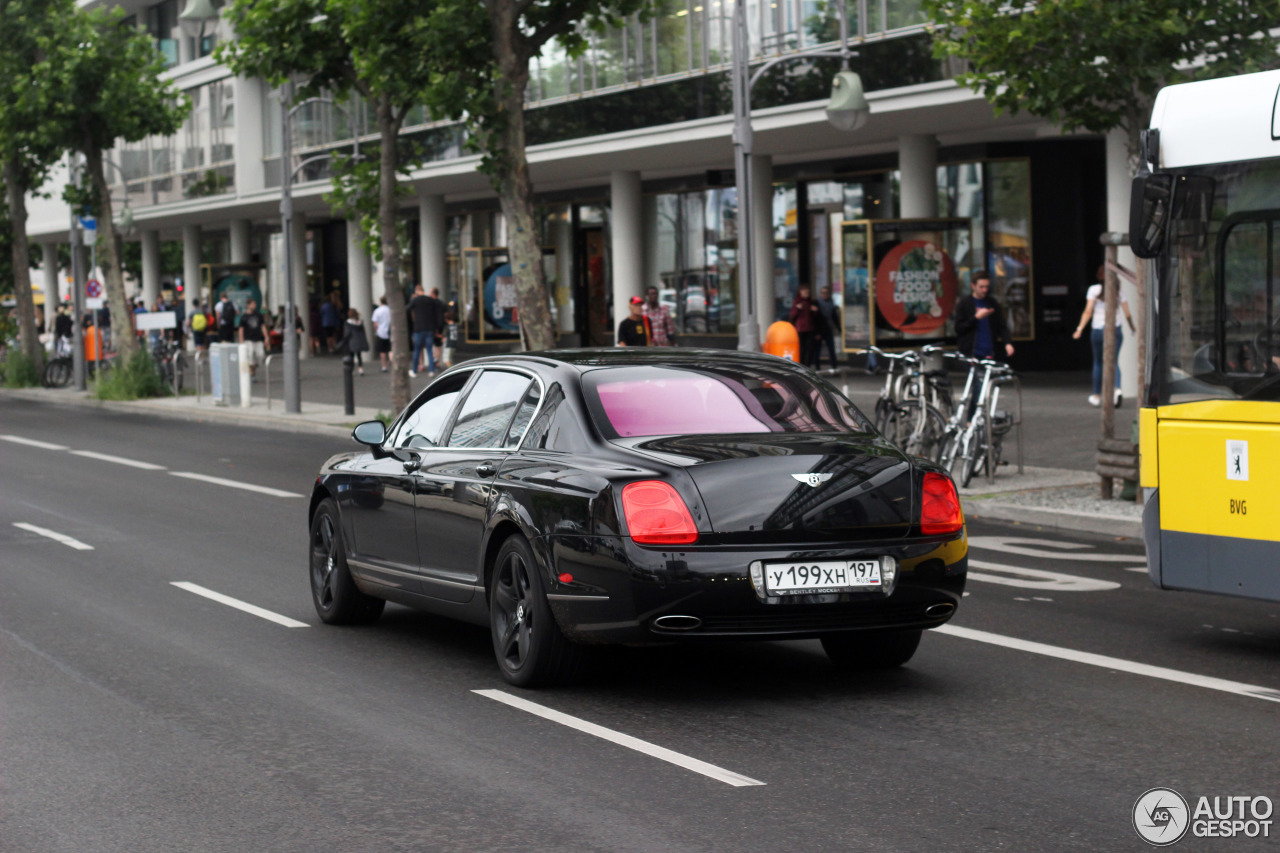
x,y
587,359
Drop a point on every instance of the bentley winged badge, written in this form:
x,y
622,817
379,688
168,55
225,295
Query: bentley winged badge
x,y
812,479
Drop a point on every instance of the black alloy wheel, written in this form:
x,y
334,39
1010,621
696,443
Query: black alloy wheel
x,y
529,646
334,593
867,650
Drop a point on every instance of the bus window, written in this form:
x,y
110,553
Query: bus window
x,y
1246,299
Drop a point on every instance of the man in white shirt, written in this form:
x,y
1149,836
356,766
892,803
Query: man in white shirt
x,y
382,332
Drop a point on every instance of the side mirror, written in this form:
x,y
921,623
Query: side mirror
x,y
371,433
1150,206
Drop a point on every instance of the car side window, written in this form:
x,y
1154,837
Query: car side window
x,y
524,415
487,410
423,428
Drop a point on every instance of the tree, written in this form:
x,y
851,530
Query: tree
x,y
390,52
1097,66
31,107
114,92
518,30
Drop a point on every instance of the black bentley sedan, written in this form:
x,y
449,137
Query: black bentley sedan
x,y
572,498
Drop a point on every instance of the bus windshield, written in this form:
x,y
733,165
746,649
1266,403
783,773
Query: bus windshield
x,y
1217,299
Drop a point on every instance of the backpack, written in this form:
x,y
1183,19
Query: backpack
x,y
199,323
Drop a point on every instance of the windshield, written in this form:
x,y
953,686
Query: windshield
x,y
633,401
1218,296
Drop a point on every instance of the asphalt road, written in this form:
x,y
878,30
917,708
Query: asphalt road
x,y
136,715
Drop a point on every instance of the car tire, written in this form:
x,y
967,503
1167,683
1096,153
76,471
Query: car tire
x,y
530,648
866,650
334,593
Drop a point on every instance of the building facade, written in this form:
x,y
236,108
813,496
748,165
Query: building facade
x,y
631,155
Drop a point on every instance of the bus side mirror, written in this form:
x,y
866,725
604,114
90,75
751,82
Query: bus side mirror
x,y
1149,207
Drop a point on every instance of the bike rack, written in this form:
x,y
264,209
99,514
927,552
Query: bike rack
x,y
1016,382
201,355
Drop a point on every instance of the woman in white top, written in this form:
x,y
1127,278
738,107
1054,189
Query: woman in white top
x,y
1095,309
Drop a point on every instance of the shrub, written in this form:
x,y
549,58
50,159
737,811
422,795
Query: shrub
x,y
19,371
134,379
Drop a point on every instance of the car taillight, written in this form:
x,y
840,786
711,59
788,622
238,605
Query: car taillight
x,y
656,515
940,507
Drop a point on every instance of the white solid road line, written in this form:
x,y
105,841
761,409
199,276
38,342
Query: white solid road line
x,y
119,460
240,605
652,750
236,484
1049,549
55,536
1252,691
31,442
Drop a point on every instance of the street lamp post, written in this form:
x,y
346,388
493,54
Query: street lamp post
x,y
847,110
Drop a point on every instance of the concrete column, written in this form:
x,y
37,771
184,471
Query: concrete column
x,y
432,237
301,298
52,293
627,241
1119,182
918,163
649,225
250,136
150,267
762,238
359,278
241,247
566,318
191,266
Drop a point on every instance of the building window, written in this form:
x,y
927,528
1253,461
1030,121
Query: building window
x,y
697,259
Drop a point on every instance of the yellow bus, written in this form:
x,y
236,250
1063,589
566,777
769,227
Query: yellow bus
x,y
1206,210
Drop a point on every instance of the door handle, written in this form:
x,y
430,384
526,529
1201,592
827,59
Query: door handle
x,y
412,464
486,469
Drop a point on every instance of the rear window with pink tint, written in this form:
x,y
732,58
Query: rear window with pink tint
x,y
629,402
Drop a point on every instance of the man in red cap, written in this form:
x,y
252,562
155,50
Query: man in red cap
x,y
634,331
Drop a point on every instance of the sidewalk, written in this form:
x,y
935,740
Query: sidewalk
x,y
1057,488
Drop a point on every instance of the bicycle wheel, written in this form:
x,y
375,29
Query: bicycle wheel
x,y
924,429
973,459
57,373
884,411
964,449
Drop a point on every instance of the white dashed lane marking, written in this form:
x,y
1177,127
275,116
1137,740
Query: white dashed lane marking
x,y
31,442
679,759
54,535
1252,691
119,460
236,484
244,606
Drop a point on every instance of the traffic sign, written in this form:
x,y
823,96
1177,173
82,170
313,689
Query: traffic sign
x,y
88,223
93,288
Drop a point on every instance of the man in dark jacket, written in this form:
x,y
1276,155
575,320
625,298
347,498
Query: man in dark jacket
x,y
981,331
426,315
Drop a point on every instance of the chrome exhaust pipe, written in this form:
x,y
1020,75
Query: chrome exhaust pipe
x,y
933,611
675,622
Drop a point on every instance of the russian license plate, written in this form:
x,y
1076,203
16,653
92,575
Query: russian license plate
x,y
821,576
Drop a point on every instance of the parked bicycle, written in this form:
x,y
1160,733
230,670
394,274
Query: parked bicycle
x,y
978,444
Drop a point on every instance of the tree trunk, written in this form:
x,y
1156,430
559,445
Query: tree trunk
x,y
388,233
122,336
515,190
17,192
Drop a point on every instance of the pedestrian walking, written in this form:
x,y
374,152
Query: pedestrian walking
x,y
198,325
382,332
981,331
426,316
804,316
633,331
1095,314
450,337
253,329
661,324
354,340
63,331
331,320
828,328
226,314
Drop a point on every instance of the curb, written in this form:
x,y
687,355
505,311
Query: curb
x,y
1060,519
231,417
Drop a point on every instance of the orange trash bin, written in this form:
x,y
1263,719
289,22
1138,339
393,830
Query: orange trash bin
x,y
782,340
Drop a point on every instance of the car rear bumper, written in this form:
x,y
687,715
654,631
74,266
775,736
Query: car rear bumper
x,y
620,592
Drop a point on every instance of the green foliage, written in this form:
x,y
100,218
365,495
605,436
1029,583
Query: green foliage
x,y
134,378
170,258
386,418
210,183
1096,66
355,196
19,371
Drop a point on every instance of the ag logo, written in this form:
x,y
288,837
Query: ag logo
x,y
1161,817
812,479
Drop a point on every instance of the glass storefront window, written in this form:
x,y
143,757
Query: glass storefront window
x,y
696,259
1009,241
